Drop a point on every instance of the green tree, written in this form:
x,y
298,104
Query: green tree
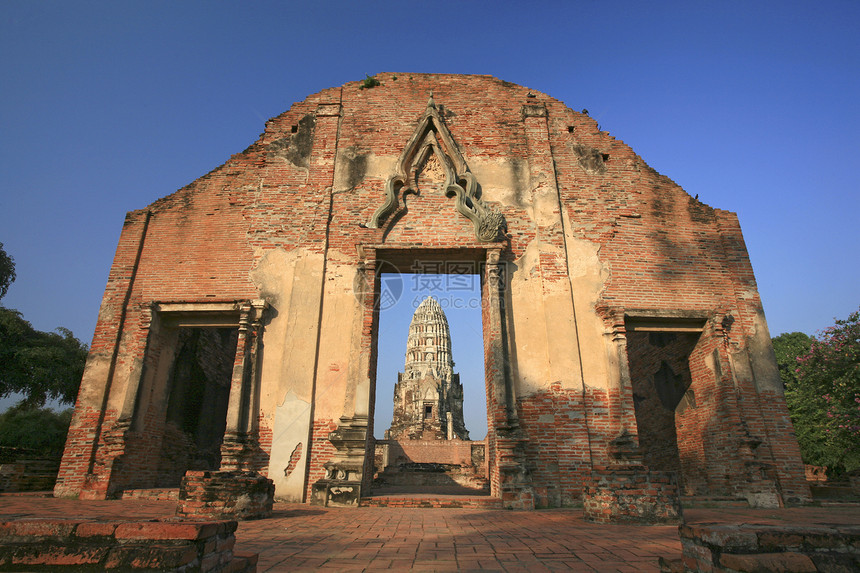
x,y
37,429
7,271
824,399
39,365
788,347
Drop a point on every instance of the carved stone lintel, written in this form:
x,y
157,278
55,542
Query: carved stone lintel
x,y
432,138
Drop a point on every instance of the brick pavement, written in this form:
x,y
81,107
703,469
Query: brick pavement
x,y
302,538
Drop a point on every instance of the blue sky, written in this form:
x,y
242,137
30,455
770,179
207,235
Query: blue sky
x,y
107,106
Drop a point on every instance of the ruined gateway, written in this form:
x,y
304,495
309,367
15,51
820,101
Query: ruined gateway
x,y
623,331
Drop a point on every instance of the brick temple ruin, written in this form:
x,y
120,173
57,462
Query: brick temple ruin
x,y
627,357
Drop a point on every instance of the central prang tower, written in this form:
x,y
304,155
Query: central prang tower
x,y
428,396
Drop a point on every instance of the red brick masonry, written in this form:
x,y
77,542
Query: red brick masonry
x,y
225,495
712,547
601,254
70,545
631,494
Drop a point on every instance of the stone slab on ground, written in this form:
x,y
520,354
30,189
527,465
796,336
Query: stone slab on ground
x,y
757,547
51,544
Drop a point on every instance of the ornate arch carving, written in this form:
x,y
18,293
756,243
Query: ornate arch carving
x,y
432,138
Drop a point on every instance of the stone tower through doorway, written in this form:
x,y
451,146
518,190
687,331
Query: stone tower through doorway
x,y
428,396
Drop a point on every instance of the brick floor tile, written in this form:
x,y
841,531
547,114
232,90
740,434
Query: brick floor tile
x,y
303,538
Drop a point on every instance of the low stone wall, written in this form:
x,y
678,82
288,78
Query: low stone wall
x,y
854,480
37,474
153,494
453,452
225,495
456,502
631,493
431,475
736,548
69,545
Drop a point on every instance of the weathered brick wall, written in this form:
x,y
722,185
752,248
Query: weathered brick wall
x,y
558,448
69,545
225,495
28,473
591,227
631,494
322,451
730,548
457,452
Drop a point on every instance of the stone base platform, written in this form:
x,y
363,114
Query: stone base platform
x,y
75,545
431,475
154,494
730,548
691,501
225,495
631,493
426,501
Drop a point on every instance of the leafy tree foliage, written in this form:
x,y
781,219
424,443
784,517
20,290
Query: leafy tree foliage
x,y
824,399
39,365
788,347
37,429
7,271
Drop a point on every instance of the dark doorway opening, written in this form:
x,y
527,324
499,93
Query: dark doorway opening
x,y
196,415
665,402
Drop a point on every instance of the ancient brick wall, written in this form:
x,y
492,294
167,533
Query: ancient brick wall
x,y
558,432
593,235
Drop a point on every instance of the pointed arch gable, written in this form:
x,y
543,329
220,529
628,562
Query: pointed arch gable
x,y
431,137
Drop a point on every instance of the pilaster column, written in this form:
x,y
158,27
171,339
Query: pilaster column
x,y
240,440
624,447
501,395
509,478
234,406
350,469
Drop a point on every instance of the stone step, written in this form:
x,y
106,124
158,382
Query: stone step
x,y
701,501
156,493
421,479
432,502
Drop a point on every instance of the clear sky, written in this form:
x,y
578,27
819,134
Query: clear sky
x,y
107,106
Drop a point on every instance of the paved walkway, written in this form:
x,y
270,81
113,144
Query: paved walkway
x,y
301,538
304,538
